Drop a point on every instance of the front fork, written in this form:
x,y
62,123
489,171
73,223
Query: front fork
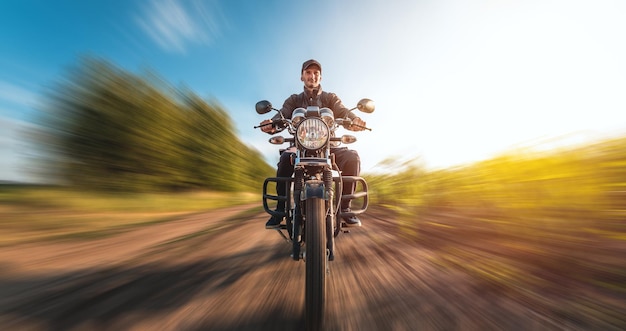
x,y
314,189
296,221
325,192
330,214
297,225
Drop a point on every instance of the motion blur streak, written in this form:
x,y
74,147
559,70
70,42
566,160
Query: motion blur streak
x,y
108,129
443,269
541,226
531,240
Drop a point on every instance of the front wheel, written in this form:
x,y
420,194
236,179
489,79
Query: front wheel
x,y
315,238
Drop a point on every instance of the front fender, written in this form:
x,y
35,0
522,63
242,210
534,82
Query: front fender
x,y
314,189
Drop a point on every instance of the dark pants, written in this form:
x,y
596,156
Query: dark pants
x,y
347,160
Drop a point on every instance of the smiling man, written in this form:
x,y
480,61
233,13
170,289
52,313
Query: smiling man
x,y
347,160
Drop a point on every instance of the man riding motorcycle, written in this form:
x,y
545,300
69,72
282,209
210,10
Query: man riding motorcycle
x,y
347,160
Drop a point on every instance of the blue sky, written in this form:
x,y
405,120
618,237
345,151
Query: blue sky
x,y
454,81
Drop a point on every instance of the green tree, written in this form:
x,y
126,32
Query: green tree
x,y
112,130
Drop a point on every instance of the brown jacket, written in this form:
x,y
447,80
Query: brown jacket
x,y
319,98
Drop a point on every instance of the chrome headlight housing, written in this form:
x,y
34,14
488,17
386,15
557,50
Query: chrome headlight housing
x,y
298,115
313,133
327,116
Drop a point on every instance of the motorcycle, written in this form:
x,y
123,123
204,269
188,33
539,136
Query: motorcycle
x,y
311,205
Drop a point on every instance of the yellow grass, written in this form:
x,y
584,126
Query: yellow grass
x,y
532,223
43,213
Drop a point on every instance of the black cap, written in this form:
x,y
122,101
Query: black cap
x,y
309,63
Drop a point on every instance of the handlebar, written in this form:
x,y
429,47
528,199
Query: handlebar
x,y
360,126
273,123
347,123
280,124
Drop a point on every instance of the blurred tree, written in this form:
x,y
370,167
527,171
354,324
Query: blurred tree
x,y
111,130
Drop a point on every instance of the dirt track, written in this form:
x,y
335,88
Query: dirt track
x,y
204,273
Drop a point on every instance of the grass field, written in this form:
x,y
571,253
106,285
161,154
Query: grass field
x,y
535,224
31,213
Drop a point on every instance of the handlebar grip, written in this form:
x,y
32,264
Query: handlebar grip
x,y
278,124
347,123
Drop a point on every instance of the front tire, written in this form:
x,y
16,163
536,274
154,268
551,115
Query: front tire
x,y
315,238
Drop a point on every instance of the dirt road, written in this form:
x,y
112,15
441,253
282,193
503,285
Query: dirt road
x,y
218,271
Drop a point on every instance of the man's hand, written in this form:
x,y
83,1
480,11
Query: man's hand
x,y
269,128
357,124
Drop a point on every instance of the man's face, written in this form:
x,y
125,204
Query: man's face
x,y
311,77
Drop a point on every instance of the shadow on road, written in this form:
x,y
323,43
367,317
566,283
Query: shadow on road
x,y
104,296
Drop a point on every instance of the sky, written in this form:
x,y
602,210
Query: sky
x,y
454,81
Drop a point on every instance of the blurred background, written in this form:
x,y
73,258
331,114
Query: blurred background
x,y
498,120
468,81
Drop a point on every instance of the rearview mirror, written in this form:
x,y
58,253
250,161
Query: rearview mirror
x,y
366,106
263,107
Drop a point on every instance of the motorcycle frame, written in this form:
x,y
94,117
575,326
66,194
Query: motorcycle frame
x,y
312,177
294,205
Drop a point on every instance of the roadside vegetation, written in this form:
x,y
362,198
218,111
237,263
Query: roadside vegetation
x,y
106,129
124,150
539,225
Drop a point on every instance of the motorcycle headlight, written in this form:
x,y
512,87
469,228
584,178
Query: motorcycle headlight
x,y
313,133
298,115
